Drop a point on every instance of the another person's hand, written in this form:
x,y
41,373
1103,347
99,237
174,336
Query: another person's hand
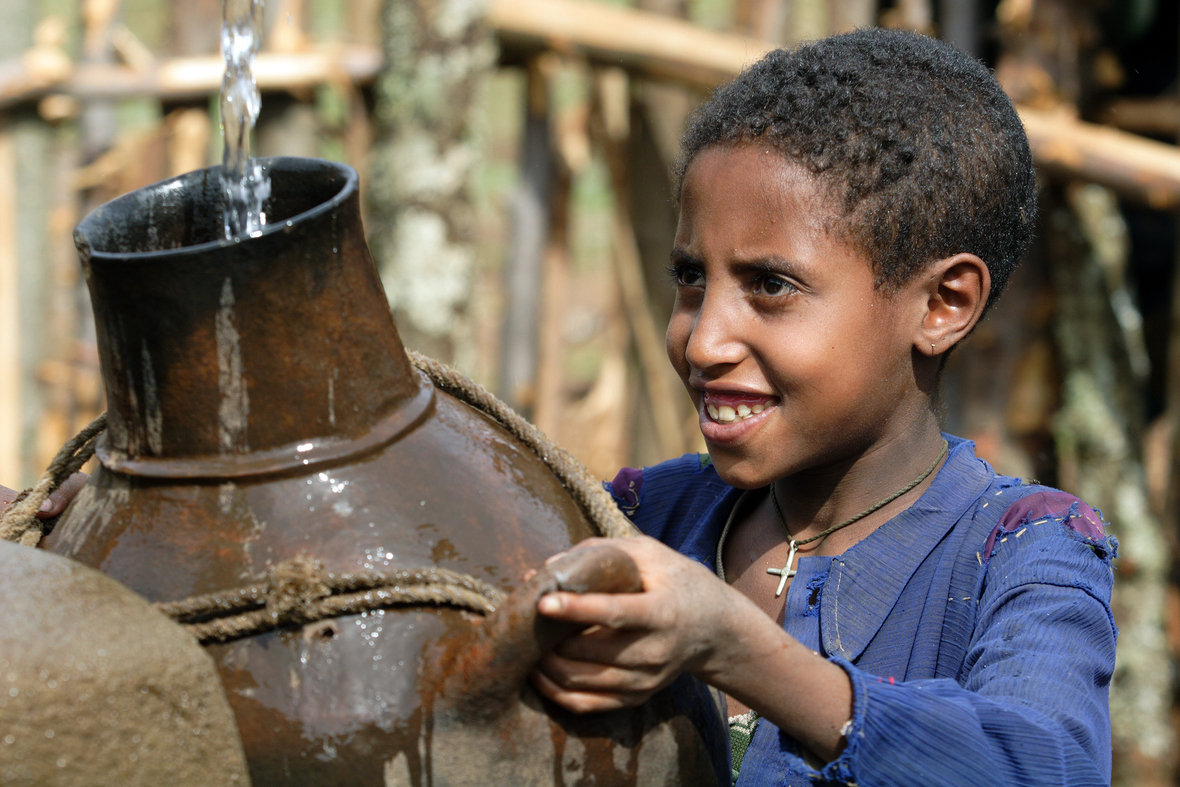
x,y
56,503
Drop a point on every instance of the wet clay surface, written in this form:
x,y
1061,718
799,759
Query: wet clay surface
x,y
97,688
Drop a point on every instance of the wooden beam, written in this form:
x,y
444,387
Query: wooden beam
x,y
189,77
640,41
1156,115
1134,166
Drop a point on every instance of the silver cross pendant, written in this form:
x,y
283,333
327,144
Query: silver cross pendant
x,y
786,572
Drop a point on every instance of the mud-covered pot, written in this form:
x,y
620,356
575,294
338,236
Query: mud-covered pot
x,y
98,689
262,409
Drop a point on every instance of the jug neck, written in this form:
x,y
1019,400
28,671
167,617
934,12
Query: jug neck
x,y
230,357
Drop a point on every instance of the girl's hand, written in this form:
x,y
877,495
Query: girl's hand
x,y
687,620
638,643
56,502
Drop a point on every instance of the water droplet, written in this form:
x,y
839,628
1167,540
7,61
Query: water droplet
x,y
9,739
61,762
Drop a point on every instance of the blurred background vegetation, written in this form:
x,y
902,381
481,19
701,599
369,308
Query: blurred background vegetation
x,y
515,159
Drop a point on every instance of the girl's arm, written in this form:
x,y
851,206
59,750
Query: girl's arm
x,y
687,620
1032,708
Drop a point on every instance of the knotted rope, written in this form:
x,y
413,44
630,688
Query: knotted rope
x,y
300,591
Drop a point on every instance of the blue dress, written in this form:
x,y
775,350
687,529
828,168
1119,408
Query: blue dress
x,y
975,627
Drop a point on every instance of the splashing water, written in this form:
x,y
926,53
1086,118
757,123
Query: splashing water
x,y
245,184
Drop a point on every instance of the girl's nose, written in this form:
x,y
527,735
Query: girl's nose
x,y
715,338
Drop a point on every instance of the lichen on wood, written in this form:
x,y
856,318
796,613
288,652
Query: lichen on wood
x,y
439,55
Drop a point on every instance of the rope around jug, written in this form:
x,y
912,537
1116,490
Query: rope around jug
x,y
300,591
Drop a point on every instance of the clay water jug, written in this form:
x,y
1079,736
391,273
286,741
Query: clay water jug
x,y
265,418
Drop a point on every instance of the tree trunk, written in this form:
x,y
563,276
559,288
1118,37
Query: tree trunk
x,y
439,56
1099,439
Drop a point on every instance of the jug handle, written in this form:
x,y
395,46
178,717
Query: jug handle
x,y
488,669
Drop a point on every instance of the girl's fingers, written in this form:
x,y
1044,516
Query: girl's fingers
x,y
629,649
575,675
584,701
611,610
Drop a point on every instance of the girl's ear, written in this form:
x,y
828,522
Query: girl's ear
x,y
956,291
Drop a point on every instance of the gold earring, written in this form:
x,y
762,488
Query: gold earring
x,y
932,349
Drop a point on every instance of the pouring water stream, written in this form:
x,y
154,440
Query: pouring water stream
x,y
244,182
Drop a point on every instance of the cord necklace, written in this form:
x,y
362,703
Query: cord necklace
x,y
786,572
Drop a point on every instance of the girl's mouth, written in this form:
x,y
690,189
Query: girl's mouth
x,y
728,408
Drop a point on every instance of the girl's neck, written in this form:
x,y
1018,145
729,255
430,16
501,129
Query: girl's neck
x,y
815,499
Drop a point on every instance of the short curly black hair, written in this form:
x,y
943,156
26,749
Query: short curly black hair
x,y
914,138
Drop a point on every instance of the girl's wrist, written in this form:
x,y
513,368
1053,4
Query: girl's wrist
x,y
752,659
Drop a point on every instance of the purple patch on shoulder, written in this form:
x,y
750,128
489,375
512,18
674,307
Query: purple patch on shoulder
x,y
626,488
1040,507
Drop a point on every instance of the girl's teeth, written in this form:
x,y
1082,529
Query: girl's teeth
x,y
725,414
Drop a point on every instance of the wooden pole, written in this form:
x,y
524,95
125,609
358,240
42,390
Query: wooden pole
x,y
523,264
549,411
662,388
11,365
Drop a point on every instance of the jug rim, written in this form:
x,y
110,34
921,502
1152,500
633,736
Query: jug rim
x,y
94,221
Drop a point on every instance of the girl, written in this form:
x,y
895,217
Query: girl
x,y
878,606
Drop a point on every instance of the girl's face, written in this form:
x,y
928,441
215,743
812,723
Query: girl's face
x,y
793,358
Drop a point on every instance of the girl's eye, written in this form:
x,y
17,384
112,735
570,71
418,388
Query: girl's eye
x,y
686,276
773,285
